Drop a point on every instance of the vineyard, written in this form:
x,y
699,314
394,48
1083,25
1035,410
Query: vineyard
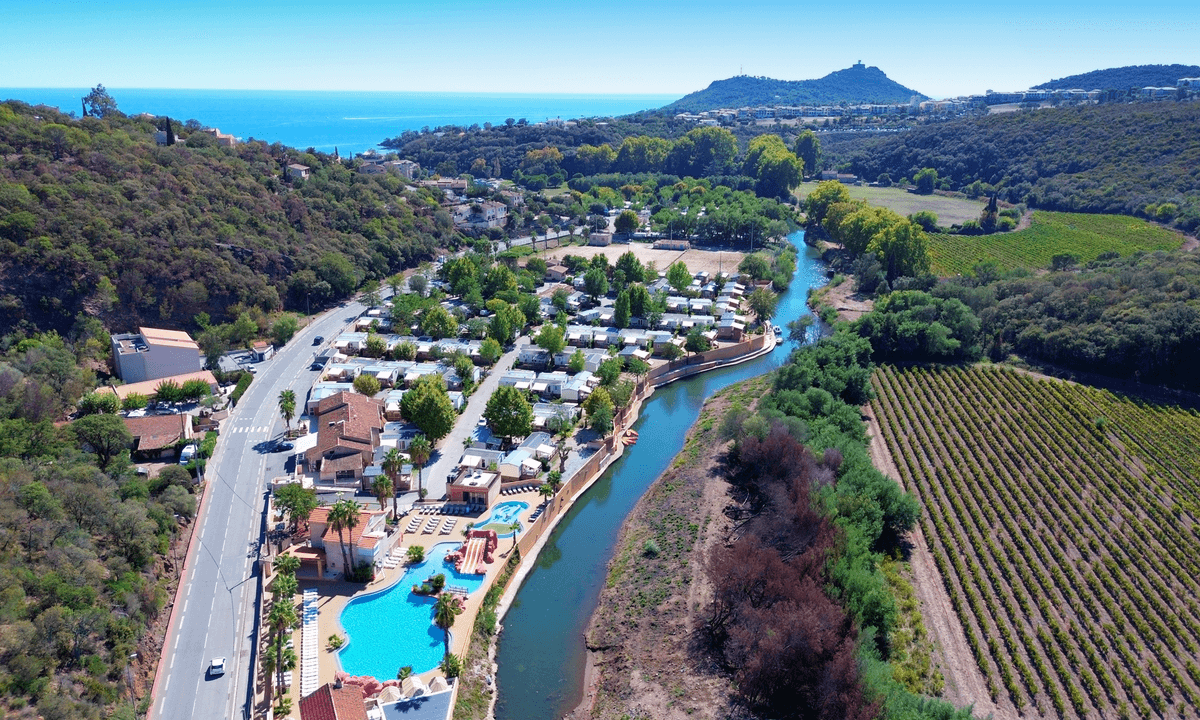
x,y
1051,233
1063,521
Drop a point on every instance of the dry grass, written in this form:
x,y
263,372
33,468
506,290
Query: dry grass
x,y
712,261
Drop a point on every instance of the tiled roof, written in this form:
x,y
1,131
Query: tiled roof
x,y
157,431
330,703
353,537
346,420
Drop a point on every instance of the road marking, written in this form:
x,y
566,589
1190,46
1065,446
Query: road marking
x,y
172,666
178,635
185,604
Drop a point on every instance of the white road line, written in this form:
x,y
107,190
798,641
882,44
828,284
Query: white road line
x,y
172,666
185,604
177,636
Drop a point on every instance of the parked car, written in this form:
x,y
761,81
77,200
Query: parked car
x,y
187,454
318,340
285,445
216,667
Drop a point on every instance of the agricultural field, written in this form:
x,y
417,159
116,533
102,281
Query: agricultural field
x,y
950,210
1050,234
1063,520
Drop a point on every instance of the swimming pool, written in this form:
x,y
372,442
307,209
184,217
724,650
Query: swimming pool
x,y
502,517
391,628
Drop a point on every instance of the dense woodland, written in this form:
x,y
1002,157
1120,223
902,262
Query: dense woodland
x,y
96,219
1133,159
1123,78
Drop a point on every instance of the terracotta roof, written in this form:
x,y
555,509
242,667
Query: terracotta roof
x,y
170,338
330,703
149,387
347,420
353,537
157,431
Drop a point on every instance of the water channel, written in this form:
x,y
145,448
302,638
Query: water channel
x,y
541,652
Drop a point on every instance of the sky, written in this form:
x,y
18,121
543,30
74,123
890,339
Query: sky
x,y
941,49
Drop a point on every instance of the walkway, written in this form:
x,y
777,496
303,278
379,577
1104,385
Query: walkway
x,y
450,448
308,646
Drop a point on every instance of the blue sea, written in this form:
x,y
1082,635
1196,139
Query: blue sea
x,y
349,121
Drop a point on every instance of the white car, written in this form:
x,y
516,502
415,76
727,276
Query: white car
x,y
216,667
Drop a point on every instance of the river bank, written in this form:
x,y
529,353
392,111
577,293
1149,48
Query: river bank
x,y
541,653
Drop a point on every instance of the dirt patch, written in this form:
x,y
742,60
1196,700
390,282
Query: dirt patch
x,y
711,261
964,683
656,589
850,305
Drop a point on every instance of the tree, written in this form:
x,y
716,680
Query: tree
x,y
99,402
392,465
550,339
762,304
621,310
671,351
106,435
98,103
515,528
679,276
903,249
595,281
638,367
168,391
134,401
609,370
281,620
631,266
577,362
405,351
639,300
419,451
437,322
339,272
626,222
827,194
696,341
418,284
367,385
508,413
926,180
428,406
287,406
599,407
490,351
444,613
343,516
376,346
381,488
776,169
808,149
284,328
507,321
297,501
756,265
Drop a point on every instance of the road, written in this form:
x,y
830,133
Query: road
x,y
216,607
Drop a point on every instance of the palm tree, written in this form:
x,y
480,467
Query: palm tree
x,y
546,490
420,450
344,516
444,612
516,528
286,564
382,487
392,464
281,619
287,406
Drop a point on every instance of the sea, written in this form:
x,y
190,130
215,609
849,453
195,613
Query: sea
x,y
351,122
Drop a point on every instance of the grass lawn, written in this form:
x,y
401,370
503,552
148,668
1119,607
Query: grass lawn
x,y
1050,234
949,210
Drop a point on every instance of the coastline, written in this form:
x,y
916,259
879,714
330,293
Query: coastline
x,y
529,559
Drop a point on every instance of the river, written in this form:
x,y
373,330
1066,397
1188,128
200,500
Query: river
x,y
541,653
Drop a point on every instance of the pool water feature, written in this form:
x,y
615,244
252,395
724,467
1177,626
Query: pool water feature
x,y
541,652
391,628
502,517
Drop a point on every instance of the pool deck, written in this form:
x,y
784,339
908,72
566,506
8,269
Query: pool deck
x,y
332,597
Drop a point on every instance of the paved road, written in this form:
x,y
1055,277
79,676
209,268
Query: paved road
x,y
216,614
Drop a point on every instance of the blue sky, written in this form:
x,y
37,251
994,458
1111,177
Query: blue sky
x,y
604,46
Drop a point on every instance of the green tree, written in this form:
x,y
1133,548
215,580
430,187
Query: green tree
x,y
639,300
98,103
703,151
609,370
679,276
99,402
287,406
343,516
756,265
366,384
621,310
776,169
282,619
381,488
638,367
926,180
444,614
630,265
405,351
696,341
243,330
595,281
626,222
808,149
903,249
104,434
577,362
464,368
168,391
392,465
490,351
438,323
599,408
297,501
134,401
419,451
762,304
827,194
428,406
195,389
550,339
283,329
508,413
376,347
339,272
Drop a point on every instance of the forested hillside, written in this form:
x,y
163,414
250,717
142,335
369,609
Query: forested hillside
x,y
1137,159
857,84
1123,78
95,218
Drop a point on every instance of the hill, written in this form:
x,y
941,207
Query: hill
x,y
857,84
98,220
1131,159
1123,78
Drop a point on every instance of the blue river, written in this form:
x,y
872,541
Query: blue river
x,y
541,652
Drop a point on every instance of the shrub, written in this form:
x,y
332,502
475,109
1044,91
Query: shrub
x,y
336,641
240,389
451,665
651,549
416,554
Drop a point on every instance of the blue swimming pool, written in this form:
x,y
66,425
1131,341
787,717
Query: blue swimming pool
x,y
503,516
391,628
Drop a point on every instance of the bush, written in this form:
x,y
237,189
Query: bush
x,y
651,549
451,665
336,641
416,554
240,389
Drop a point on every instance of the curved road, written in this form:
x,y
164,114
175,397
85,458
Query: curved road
x,y
215,613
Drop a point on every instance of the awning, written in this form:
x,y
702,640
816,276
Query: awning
x,y
471,461
521,386
540,387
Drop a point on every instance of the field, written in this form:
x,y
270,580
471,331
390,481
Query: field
x,y
1063,522
696,260
950,211
1050,234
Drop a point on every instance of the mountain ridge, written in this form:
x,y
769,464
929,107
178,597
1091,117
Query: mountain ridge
x,y
1122,78
856,84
